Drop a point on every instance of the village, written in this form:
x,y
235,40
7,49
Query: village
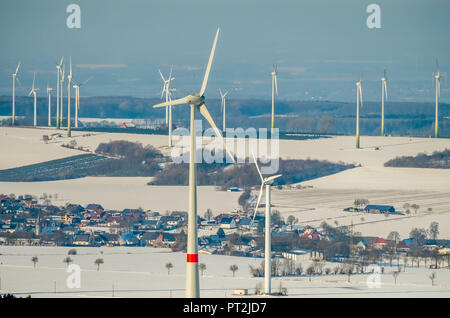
x,y
26,220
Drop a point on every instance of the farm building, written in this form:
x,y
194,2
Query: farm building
x,y
372,208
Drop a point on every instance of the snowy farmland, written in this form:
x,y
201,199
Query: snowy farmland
x,y
429,188
141,272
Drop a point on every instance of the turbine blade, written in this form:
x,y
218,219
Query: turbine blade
x,y
208,68
205,113
257,167
184,100
385,89
439,87
90,77
17,68
61,61
220,91
276,85
258,201
360,95
34,77
272,178
164,80
70,66
170,74
17,79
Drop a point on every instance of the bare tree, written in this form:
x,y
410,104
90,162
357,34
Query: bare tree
x,y
169,266
310,271
234,268
67,260
291,220
34,259
415,207
395,275
208,214
434,230
98,262
202,267
432,277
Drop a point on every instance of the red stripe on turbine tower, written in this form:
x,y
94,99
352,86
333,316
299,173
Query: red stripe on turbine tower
x,y
192,258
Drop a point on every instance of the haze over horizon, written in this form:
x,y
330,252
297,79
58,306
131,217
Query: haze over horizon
x,y
123,44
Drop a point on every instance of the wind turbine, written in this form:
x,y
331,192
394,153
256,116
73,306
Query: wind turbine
x,y
223,107
58,72
196,101
77,98
274,90
383,96
49,90
268,232
14,78
358,101
69,88
33,91
61,87
437,78
168,92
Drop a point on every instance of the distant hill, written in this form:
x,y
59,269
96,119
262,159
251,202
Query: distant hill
x,y
402,118
437,160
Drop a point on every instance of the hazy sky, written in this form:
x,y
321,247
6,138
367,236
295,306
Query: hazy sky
x,y
321,47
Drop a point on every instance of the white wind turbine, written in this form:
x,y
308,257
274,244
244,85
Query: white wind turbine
x,y
437,78
77,98
383,96
223,107
196,101
61,87
58,73
268,232
274,91
49,94
14,78
69,88
33,91
359,100
168,92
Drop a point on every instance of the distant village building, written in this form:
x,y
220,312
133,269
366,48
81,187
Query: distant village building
x,y
372,208
302,255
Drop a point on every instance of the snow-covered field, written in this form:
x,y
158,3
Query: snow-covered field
x,y
122,192
429,188
141,272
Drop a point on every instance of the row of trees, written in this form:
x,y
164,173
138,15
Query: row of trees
x,y
437,160
246,175
68,260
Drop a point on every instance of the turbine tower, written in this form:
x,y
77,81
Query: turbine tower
x,y
14,78
358,101
61,87
49,90
168,92
268,231
69,88
437,78
58,72
196,101
383,97
274,90
33,91
77,98
223,107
